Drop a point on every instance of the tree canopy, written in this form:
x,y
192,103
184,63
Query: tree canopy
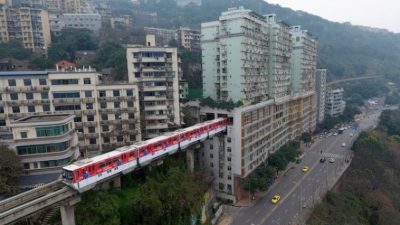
x,y
10,171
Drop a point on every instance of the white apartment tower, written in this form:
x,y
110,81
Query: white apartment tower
x,y
235,57
156,70
321,93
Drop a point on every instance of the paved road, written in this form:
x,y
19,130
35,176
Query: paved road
x,y
298,189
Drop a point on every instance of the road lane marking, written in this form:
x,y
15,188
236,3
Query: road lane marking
x,y
295,187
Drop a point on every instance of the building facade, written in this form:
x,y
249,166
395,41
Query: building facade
x,y
235,57
163,36
106,115
189,38
91,21
320,87
334,103
247,58
156,70
45,143
123,21
29,26
279,62
303,58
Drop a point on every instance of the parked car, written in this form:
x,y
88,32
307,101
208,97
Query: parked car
x,y
331,160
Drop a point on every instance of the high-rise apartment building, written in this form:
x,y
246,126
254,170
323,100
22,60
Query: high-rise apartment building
x,y
320,87
156,70
189,38
29,26
334,103
235,57
106,115
279,63
74,6
45,143
90,21
303,58
247,57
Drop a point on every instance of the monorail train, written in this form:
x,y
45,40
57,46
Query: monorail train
x,y
85,174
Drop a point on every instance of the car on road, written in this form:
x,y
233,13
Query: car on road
x,y
322,160
351,134
331,160
275,199
343,144
334,134
305,169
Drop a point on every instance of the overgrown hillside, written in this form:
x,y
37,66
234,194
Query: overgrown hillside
x,y
369,193
344,49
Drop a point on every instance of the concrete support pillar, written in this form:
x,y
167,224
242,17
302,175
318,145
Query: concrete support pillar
x,y
67,215
68,211
117,182
190,159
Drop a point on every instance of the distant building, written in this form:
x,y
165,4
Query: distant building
x,y
45,144
74,6
9,64
29,26
6,2
91,21
56,23
65,65
189,38
163,36
321,93
123,21
183,90
85,56
156,70
334,103
182,3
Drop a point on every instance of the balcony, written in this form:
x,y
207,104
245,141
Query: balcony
x,y
90,123
155,107
155,98
67,100
88,100
91,135
154,88
156,126
157,117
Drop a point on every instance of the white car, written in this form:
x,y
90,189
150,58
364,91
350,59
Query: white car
x,y
335,134
331,160
351,134
343,144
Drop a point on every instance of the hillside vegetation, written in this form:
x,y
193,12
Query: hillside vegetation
x,y
369,192
345,50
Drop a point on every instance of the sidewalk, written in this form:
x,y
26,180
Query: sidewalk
x,y
225,220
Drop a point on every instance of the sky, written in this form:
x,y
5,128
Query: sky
x,y
374,13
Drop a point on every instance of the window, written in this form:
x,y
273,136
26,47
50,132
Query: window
x,y
46,108
116,93
103,105
92,141
228,149
221,186
90,118
51,130
29,96
78,119
89,105
120,138
117,105
129,92
15,109
42,81
66,95
211,156
105,128
64,82
31,108
27,82
1,97
102,93
88,94
67,107
229,177
44,95
117,116
228,139
229,159
104,116
24,134
229,168
14,96
12,83
131,115
132,137
211,147
1,110
106,139
2,123
86,81
130,104
27,166
211,165
91,130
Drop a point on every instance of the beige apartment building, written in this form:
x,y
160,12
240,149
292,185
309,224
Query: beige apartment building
x,y
156,70
29,26
106,115
189,38
45,143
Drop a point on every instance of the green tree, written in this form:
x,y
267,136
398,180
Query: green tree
x,y
306,137
98,208
10,171
278,161
111,54
188,118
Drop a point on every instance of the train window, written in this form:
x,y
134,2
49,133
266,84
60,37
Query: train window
x,y
103,164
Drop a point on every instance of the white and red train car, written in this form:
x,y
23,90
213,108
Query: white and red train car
x,y
85,174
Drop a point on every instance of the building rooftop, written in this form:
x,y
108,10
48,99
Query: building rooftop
x,y
43,118
23,73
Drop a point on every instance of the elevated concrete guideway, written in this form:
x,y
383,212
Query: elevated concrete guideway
x,y
354,79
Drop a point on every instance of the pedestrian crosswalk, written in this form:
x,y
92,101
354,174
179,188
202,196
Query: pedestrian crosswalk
x,y
332,155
